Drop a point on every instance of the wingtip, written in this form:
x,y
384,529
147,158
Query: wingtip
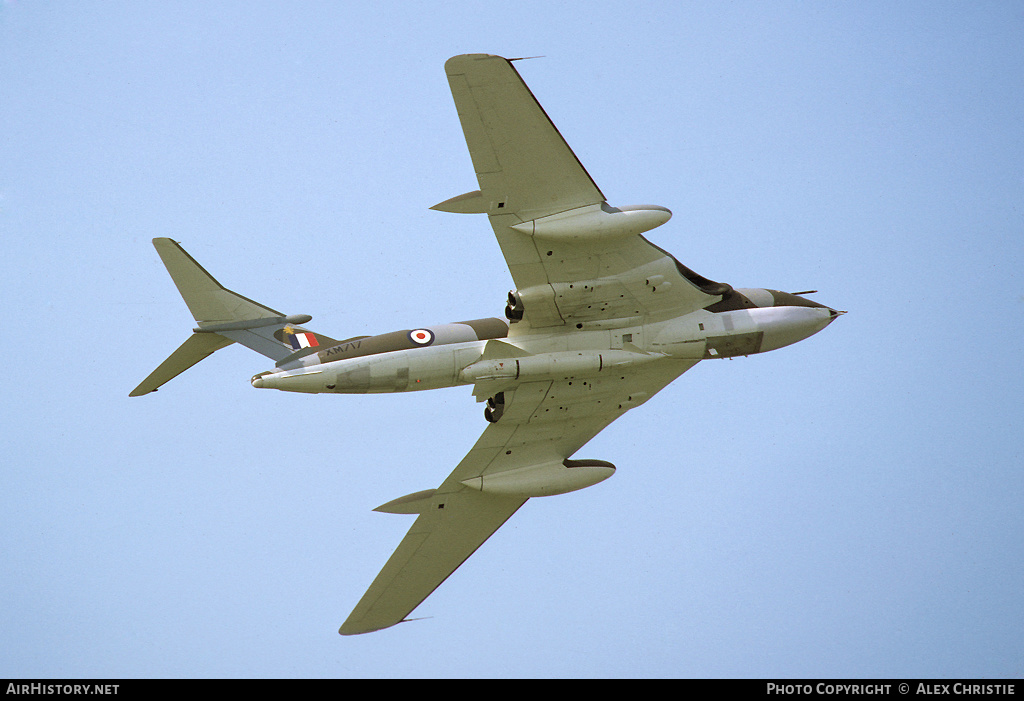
x,y
348,630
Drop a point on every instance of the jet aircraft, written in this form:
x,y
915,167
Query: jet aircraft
x,y
599,321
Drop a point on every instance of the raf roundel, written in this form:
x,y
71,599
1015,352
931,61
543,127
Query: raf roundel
x,y
421,337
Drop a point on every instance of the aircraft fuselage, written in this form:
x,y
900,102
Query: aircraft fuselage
x,y
450,355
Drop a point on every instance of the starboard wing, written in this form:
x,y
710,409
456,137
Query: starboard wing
x,y
542,422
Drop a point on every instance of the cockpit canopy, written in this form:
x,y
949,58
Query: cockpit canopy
x,y
750,298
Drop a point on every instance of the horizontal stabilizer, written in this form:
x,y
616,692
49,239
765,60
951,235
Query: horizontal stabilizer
x,y
197,347
224,317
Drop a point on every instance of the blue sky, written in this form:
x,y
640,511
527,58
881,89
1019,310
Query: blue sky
x,y
846,507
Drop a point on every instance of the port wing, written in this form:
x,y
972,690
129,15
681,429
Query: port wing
x,y
531,185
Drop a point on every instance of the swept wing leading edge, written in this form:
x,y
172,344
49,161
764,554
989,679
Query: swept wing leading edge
x,y
522,163
526,171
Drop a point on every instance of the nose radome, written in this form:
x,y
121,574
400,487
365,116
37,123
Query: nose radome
x,y
783,326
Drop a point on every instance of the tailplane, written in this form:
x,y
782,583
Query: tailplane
x,y
224,317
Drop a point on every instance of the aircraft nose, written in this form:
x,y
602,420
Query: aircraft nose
x,y
783,326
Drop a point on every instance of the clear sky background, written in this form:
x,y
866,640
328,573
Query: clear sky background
x,y
846,507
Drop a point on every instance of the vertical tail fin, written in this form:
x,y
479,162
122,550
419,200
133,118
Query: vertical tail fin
x,y
223,317
206,298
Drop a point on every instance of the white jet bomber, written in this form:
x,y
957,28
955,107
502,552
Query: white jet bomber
x,y
600,321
